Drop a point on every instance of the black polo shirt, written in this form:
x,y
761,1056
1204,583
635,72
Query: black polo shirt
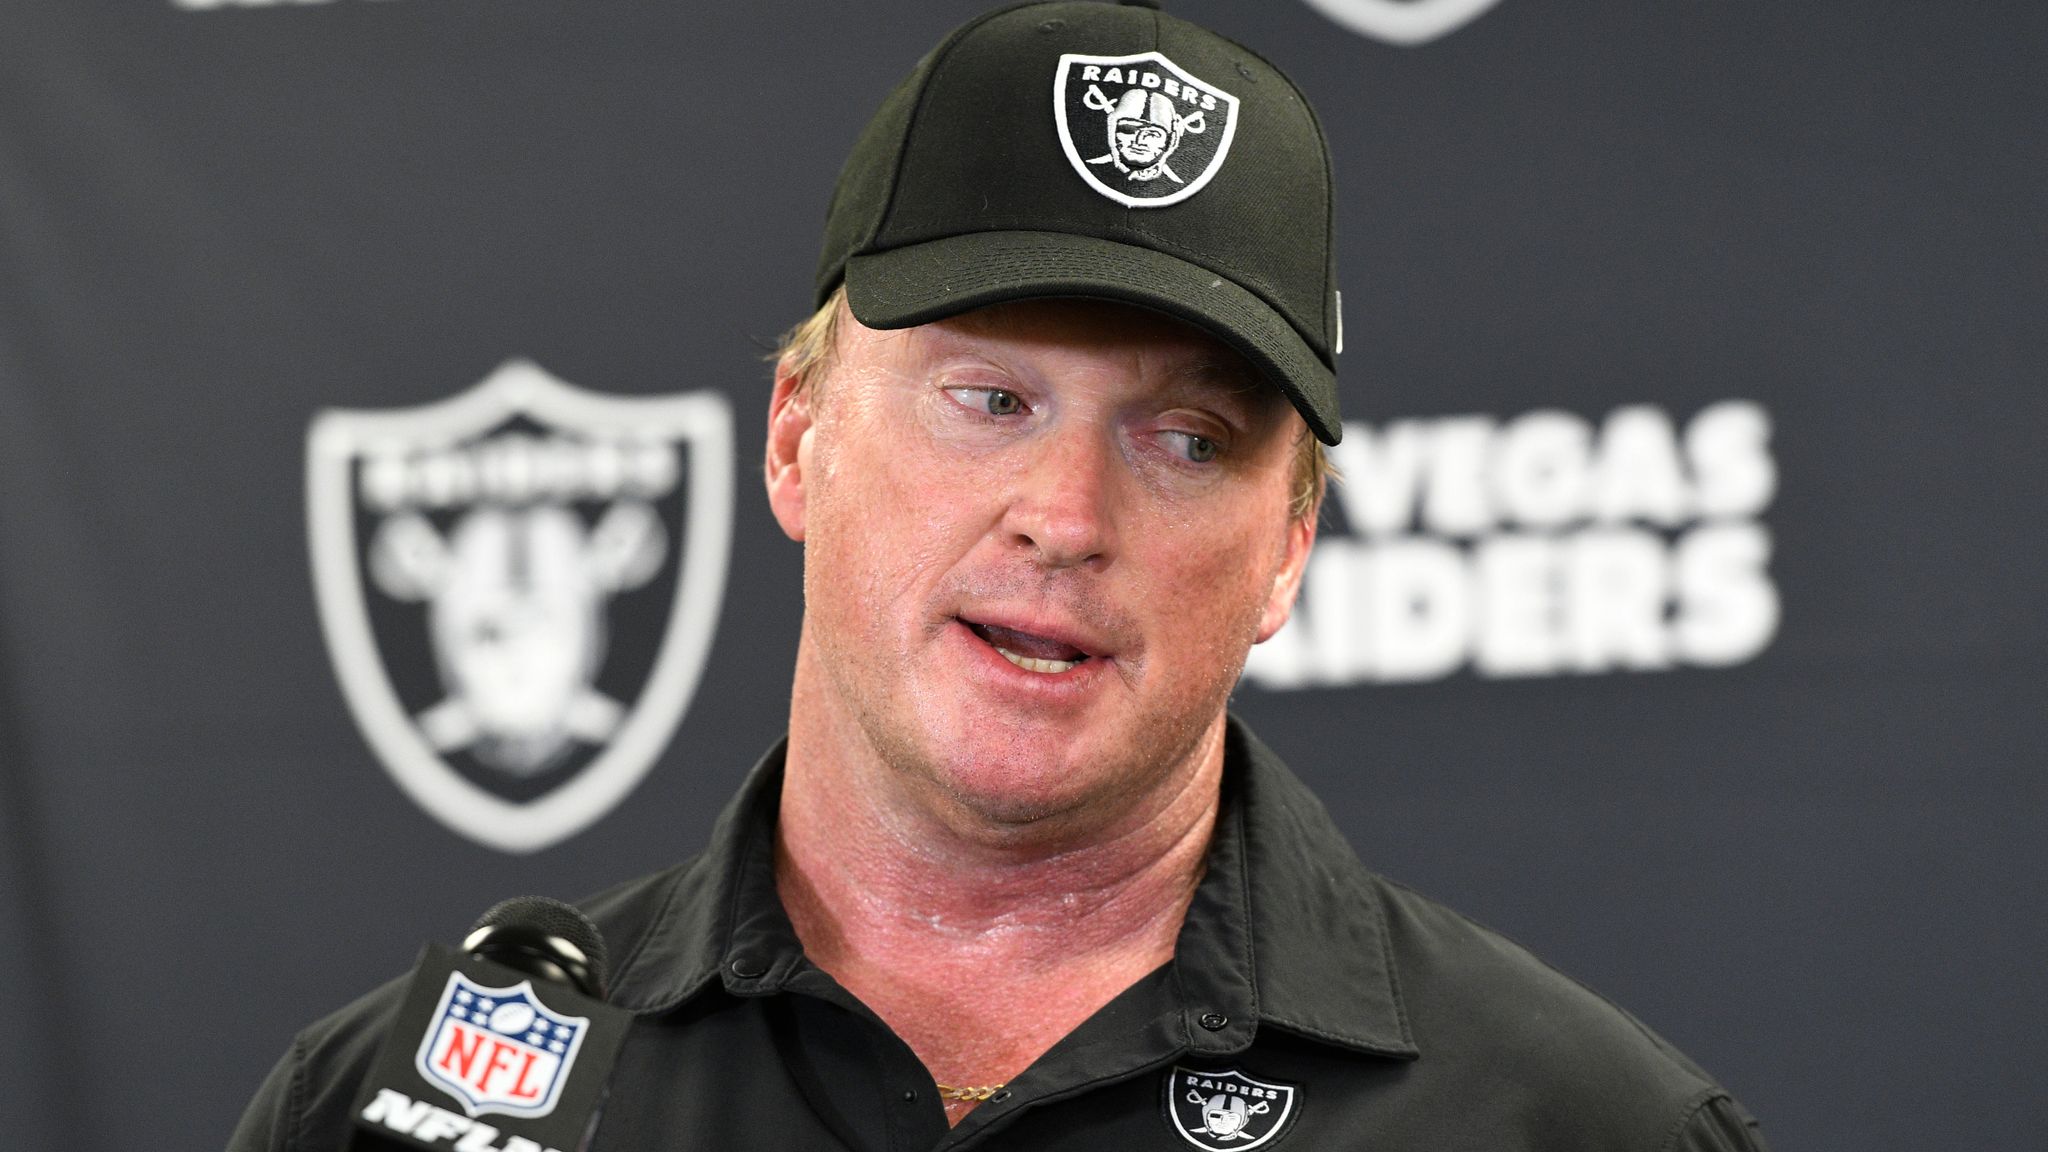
x,y
1309,1004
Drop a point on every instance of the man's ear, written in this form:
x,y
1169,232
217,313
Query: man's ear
x,y
789,431
1301,540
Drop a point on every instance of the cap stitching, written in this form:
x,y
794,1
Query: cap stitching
x,y
1208,261
1267,291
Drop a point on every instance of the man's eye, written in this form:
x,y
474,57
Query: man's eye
x,y
1199,449
994,401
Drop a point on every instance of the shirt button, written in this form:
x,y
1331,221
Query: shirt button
x,y
748,968
910,1095
999,1097
1214,1021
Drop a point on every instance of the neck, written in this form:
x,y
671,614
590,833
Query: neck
x,y
921,906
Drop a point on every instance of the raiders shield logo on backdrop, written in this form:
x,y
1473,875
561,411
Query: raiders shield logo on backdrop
x,y
1140,129
1404,22
1227,1109
519,586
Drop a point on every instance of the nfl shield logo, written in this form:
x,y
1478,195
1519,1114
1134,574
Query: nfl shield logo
x,y
1227,1109
1141,129
499,1049
518,587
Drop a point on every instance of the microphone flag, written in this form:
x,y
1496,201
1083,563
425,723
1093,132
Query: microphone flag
x,y
485,1058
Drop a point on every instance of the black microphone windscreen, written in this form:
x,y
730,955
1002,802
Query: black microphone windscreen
x,y
545,916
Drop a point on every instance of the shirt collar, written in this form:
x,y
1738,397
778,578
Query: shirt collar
x,y
1286,920
1286,929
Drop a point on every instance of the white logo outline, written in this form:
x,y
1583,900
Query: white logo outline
x,y
1407,25
1084,167
520,387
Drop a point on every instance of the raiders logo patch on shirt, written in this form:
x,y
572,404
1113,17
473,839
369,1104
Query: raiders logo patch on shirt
x,y
1227,1109
1141,129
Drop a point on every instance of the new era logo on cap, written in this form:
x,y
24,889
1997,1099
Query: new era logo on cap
x,y
1141,129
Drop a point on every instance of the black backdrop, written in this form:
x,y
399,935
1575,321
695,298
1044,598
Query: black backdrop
x,y
1784,801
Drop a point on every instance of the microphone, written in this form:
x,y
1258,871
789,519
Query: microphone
x,y
513,1027
542,937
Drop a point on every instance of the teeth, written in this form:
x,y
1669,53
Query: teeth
x,y
1031,665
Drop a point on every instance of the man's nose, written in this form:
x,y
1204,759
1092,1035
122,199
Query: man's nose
x,y
1062,500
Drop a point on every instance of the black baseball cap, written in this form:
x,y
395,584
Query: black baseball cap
x,y
1099,150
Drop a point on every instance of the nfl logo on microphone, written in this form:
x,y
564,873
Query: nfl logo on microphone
x,y
499,1049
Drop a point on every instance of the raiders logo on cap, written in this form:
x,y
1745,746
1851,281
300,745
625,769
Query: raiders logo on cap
x,y
518,586
1141,129
1227,1109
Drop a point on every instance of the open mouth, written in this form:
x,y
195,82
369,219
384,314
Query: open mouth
x,y
1032,653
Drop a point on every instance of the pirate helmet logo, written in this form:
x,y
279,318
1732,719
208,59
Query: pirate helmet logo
x,y
1224,1116
515,600
1144,131
1220,1110
1153,134
518,587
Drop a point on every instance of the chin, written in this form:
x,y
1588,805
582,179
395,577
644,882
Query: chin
x,y
1016,782
1021,778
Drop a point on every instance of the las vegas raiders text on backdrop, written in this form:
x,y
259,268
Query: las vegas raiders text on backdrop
x,y
519,587
1141,129
1544,545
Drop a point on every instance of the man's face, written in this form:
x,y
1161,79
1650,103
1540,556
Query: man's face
x,y
1039,541
1140,142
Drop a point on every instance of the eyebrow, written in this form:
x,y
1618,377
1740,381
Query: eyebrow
x,y
1230,373
1230,380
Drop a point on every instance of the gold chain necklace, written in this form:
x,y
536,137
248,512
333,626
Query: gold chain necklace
x,y
973,1094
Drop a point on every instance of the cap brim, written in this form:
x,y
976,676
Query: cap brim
x,y
920,283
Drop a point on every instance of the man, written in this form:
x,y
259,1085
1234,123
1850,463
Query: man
x,y
1016,879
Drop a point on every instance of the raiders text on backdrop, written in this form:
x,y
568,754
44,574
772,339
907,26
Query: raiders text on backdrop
x,y
1538,546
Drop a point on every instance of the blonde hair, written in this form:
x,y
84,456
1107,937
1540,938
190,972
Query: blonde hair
x,y
806,353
